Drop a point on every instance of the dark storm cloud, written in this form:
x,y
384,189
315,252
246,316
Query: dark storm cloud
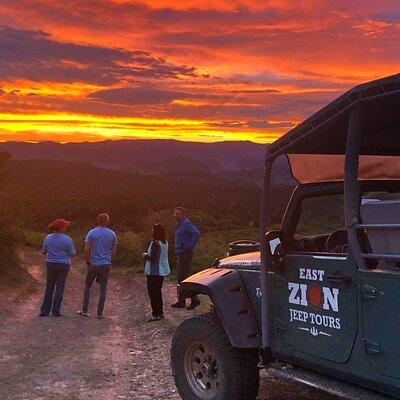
x,y
140,95
145,95
286,107
108,14
33,55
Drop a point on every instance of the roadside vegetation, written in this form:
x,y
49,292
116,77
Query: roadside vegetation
x,y
13,212
34,192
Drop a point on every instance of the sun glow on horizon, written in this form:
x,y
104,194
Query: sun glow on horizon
x,y
64,127
199,71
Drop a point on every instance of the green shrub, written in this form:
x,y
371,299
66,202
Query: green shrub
x,y
33,239
129,251
216,244
131,245
13,214
10,239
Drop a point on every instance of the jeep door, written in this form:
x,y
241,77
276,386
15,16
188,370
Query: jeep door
x,y
380,305
314,296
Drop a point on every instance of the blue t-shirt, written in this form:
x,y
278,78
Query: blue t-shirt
x,y
102,240
58,248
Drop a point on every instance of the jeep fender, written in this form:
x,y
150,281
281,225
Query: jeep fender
x,y
229,296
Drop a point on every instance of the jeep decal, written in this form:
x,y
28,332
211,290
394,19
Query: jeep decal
x,y
313,294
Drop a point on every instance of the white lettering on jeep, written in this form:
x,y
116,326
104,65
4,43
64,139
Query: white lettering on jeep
x,y
317,297
298,294
331,299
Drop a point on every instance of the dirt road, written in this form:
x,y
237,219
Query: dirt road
x,y
120,357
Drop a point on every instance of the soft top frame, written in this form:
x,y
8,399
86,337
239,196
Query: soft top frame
x,y
325,132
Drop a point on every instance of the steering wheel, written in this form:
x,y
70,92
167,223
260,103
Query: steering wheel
x,y
337,241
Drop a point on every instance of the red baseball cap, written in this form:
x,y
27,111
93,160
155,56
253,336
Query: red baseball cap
x,y
60,223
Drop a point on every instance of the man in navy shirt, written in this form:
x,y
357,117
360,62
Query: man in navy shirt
x,y
186,238
101,243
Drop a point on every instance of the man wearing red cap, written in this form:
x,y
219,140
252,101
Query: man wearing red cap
x,y
58,249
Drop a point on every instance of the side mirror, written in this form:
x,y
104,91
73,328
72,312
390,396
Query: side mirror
x,y
274,240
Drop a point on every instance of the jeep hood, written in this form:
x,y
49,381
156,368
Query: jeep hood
x,y
242,260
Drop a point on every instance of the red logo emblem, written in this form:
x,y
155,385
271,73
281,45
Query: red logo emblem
x,y
315,296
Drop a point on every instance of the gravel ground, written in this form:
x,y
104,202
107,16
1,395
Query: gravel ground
x,y
120,357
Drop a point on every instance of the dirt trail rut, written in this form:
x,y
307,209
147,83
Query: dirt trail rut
x,y
120,357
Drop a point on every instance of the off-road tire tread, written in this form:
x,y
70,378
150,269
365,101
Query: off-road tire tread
x,y
242,362
248,359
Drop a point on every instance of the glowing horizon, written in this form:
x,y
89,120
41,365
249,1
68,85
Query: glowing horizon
x,y
204,71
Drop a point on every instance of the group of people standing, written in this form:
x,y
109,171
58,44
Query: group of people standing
x,y
100,246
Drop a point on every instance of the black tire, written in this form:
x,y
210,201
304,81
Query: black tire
x,y
238,374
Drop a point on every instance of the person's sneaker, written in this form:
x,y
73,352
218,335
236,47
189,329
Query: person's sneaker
x,y
57,315
193,304
161,316
82,314
178,304
100,317
43,315
154,318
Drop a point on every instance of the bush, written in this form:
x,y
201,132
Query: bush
x,y
216,244
13,202
130,246
33,239
10,239
129,251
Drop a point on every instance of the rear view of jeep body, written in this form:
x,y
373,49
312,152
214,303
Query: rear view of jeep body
x,y
319,304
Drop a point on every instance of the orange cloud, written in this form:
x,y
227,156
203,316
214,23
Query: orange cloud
x,y
221,63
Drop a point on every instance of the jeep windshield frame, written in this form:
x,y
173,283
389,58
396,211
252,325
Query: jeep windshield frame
x,y
360,128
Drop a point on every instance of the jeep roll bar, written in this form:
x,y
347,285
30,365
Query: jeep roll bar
x,y
351,126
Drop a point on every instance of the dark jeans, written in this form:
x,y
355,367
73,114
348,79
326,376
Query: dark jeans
x,y
184,261
154,287
56,277
99,273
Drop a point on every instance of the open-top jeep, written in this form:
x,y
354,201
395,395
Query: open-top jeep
x,y
320,304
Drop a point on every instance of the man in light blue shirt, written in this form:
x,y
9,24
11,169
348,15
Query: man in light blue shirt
x,y
101,244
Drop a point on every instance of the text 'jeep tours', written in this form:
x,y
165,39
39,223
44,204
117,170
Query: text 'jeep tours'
x,y
319,305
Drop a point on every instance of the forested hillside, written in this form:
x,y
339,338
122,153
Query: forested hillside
x,y
224,207
80,191
142,154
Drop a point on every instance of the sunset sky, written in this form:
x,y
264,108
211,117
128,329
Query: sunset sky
x,y
194,70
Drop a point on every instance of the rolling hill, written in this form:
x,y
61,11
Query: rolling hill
x,y
135,153
235,160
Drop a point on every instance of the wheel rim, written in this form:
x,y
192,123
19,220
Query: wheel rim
x,y
201,370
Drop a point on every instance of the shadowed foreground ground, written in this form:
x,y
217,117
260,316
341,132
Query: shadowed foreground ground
x,y
120,357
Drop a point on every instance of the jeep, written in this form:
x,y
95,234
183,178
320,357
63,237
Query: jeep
x,y
320,302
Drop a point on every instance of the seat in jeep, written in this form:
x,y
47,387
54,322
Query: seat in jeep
x,y
382,240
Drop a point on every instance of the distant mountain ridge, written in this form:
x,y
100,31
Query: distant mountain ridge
x,y
241,160
121,154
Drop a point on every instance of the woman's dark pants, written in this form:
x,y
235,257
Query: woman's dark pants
x,y
100,273
154,287
56,277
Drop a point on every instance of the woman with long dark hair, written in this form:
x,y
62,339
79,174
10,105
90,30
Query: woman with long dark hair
x,y
58,248
156,268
